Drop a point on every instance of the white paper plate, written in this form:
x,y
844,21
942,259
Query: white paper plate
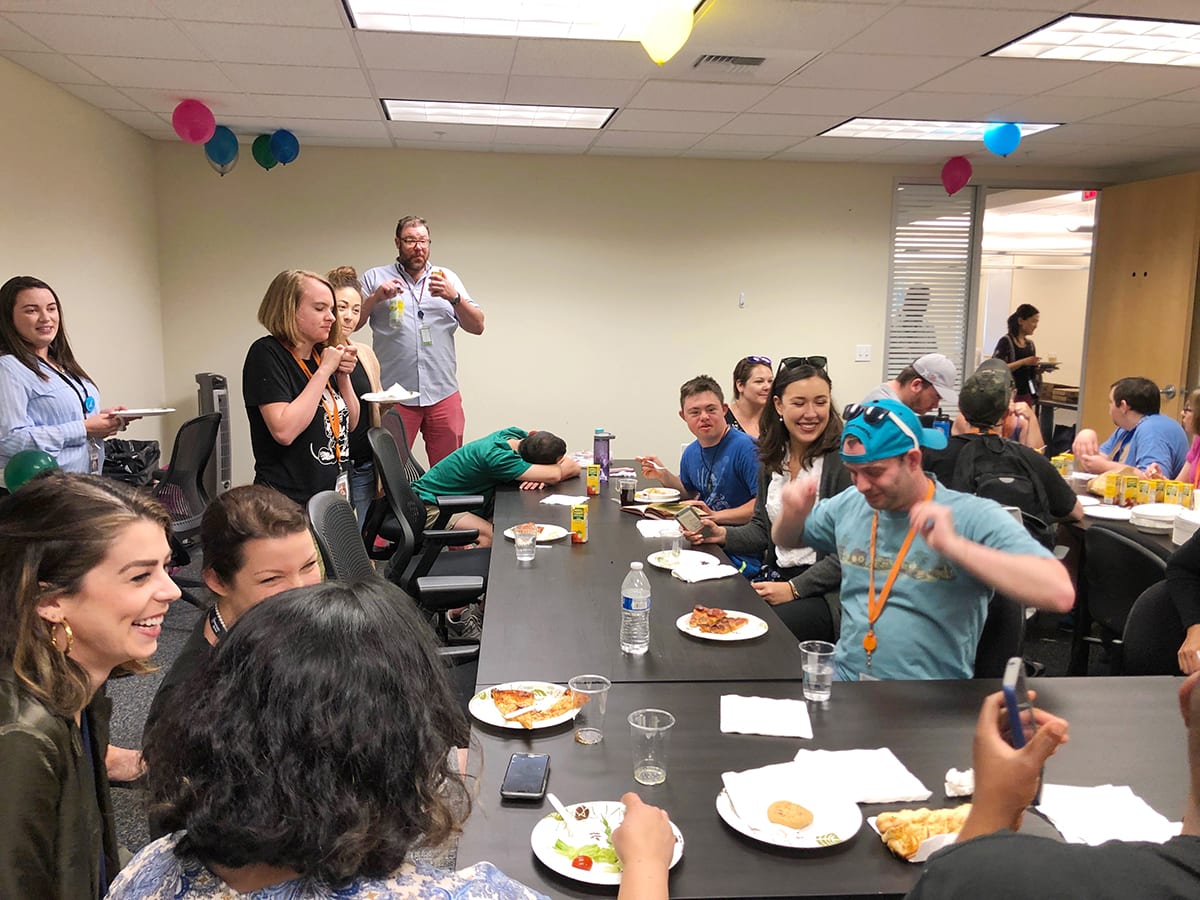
x,y
1163,513
389,396
552,828
1088,500
834,821
149,411
656,495
664,560
1103,511
1082,476
754,627
483,709
545,535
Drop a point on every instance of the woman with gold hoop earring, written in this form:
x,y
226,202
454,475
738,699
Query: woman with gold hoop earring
x,y
83,591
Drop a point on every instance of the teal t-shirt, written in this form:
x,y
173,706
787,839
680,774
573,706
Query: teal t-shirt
x,y
475,468
931,625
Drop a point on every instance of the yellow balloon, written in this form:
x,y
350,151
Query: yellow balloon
x,y
667,30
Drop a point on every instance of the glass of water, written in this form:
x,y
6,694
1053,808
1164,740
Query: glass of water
x,y
650,729
816,657
525,540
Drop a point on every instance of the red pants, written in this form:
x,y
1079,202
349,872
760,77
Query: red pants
x,y
441,424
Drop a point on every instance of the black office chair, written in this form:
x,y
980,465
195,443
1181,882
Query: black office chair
x,y
1153,633
181,491
1116,570
1003,637
392,421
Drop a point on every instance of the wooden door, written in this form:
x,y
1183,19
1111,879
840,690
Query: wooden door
x,y
1143,291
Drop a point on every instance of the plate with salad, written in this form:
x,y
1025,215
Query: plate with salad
x,y
585,850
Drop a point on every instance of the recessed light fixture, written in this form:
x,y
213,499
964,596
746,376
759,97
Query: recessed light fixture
x,y
922,129
453,113
595,20
1157,42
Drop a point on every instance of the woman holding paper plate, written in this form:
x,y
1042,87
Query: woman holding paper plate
x,y
47,400
799,433
296,386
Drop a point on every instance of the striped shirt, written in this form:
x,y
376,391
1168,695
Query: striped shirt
x,y
45,415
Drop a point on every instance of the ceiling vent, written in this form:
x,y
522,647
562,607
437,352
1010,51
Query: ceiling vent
x,y
728,64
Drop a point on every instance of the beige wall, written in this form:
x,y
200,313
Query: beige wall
x,y
1060,296
79,213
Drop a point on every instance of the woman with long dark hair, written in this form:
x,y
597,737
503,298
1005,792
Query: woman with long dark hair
x,y
800,432
1017,350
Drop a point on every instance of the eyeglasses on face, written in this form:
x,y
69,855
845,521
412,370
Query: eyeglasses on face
x,y
759,360
415,242
790,362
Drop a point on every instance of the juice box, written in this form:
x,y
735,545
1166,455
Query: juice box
x,y
1110,488
1143,491
1129,490
1157,490
593,480
579,522
1186,498
1171,492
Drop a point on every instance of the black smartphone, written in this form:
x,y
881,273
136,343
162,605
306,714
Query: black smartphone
x,y
526,777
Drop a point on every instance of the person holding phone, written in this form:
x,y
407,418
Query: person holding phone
x,y
989,860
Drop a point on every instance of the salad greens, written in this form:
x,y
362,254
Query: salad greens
x,y
602,855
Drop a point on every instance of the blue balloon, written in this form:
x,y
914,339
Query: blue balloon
x,y
222,147
284,146
1002,139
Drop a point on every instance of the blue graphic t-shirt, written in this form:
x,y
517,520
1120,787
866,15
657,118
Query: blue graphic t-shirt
x,y
725,475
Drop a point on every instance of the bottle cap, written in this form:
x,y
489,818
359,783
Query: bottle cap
x,y
636,566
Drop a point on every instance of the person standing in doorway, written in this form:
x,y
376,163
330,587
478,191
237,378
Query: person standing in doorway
x,y
1017,350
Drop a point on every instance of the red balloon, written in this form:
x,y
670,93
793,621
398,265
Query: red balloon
x,y
955,174
194,122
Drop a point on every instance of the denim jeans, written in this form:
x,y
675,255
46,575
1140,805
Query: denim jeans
x,y
362,488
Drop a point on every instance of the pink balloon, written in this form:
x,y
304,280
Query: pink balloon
x,y
955,174
193,121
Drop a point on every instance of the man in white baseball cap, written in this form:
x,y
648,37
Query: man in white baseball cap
x,y
924,386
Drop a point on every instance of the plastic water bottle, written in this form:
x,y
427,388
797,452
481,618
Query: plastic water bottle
x,y
635,611
601,452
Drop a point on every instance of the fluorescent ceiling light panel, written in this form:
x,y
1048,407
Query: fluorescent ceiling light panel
x,y
1156,42
922,129
452,113
594,20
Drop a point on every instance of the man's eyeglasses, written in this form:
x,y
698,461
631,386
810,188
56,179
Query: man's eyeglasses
x,y
415,242
873,415
790,362
760,360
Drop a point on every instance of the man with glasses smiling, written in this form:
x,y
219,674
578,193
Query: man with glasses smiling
x,y
913,607
414,309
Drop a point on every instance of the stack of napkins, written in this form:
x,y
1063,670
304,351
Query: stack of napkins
x,y
1093,815
693,572
869,776
564,500
762,715
656,528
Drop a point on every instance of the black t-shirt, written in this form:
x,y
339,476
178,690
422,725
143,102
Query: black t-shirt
x,y
1019,866
1025,377
309,464
360,447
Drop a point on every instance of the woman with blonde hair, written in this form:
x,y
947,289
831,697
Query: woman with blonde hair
x,y
365,379
296,386
83,591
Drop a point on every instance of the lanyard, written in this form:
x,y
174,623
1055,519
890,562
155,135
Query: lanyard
x,y
335,420
1124,443
875,605
418,285
86,402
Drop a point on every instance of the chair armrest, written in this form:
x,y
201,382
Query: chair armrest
x,y
459,653
451,537
441,592
459,502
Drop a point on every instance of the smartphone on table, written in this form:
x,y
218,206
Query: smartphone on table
x,y
526,777
1019,708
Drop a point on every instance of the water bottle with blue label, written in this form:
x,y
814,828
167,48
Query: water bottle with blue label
x,y
635,611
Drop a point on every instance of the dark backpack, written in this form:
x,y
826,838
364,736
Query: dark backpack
x,y
991,466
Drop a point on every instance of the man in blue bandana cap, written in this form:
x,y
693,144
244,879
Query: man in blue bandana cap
x,y
919,561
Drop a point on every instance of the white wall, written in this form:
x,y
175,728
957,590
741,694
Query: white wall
x,y
79,213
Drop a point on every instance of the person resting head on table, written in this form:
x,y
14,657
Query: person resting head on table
x,y
1143,436
718,472
1191,466
922,617
316,753
532,459
988,860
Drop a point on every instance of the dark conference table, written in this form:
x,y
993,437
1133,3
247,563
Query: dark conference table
x,y
1123,731
559,616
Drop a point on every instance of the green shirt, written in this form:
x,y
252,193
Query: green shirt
x,y
475,468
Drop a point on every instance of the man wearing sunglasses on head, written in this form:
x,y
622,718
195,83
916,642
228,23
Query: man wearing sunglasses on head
x,y
924,386
919,561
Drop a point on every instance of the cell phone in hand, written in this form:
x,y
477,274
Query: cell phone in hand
x,y
689,519
526,777
1019,707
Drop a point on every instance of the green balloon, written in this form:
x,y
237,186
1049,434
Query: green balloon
x,y
24,466
262,152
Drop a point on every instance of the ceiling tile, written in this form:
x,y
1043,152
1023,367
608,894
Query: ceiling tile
x,y
443,146
956,107
467,87
13,38
747,143
222,104
1184,10
1152,112
699,152
1135,81
146,9
1086,133
103,96
1188,138
582,59
822,101
1059,6
701,97
245,126
357,130
768,23
874,71
668,121
318,82
168,74
273,44
437,52
141,120
633,140
639,152
557,149
1049,108
795,126
54,67
342,141
285,107
1011,76
108,36
570,91
438,131
925,30
314,13
551,137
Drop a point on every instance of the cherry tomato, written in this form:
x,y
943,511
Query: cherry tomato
x,y
582,862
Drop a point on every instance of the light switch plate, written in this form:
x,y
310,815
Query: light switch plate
x,y
862,352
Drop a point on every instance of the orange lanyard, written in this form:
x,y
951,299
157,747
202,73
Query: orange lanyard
x,y
875,605
335,420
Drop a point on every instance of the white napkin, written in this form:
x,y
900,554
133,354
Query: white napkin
x,y
1093,815
751,792
869,776
656,528
960,784
762,715
564,500
693,572
618,471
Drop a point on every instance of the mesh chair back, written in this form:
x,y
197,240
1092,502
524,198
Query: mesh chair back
x,y
1153,633
395,425
182,491
336,532
1117,569
405,505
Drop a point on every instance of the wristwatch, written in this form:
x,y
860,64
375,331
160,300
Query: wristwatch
x,y
455,301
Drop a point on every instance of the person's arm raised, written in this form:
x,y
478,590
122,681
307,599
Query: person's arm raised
x,y
796,500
